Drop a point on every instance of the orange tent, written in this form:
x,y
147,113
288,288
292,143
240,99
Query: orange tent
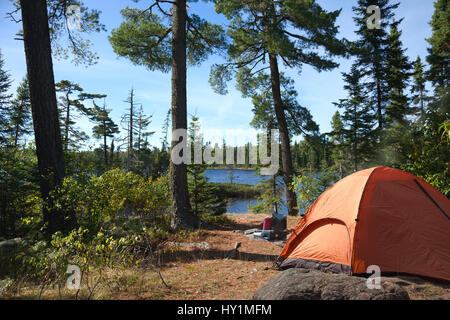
x,y
379,216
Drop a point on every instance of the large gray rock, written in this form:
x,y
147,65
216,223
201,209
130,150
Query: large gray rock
x,y
302,284
8,246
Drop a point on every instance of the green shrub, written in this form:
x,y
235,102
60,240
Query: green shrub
x,y
100,200
309,186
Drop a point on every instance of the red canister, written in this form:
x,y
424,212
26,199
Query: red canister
x,y
267,224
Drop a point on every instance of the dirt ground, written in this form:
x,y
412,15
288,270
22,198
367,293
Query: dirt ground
x,y
199,273
197,269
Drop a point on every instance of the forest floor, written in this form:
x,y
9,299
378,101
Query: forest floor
x,y
200,273
197,269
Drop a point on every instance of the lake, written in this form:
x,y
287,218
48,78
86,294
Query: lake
x,y
250,177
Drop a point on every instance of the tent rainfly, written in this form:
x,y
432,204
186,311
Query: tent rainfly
x,y
379,216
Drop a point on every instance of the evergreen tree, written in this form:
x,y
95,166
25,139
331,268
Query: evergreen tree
x,y
339,145
142,123
371,50
72,107
274,32
358,118
418,88
104,128
39,29
128,121
5,99
299,119
439,51
398,74
204,199
427,152
165,130
144,39
49,151
19,114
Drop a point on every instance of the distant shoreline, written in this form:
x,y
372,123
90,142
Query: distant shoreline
x,y
236,169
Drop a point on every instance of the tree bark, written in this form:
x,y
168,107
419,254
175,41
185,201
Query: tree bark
x,y
182,217
43,105
288,169
67,124
105,147
379,104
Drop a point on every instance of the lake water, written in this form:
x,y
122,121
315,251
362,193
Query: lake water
x,y
250,177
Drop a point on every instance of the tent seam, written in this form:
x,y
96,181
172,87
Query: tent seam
x,y
355,236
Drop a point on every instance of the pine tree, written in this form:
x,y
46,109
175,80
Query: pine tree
x,y
298,118
19,114
439,52
49,151
398,75
144,39
288,32
142,123
165,130
104,128
418,88
204,199
129,125
339,146
371,50
37,25
358,118
72,107
5,99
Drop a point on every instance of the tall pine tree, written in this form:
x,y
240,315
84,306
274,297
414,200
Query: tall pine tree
x,y
371,50
19,114
398,75
144,38
418,88
5,99
104,128
267,33
358,118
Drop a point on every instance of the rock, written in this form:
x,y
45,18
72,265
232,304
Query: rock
x,y
303,284
253,237
233,252
199,245
9,245
250,231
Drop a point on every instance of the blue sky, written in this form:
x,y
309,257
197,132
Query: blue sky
x,y
114,76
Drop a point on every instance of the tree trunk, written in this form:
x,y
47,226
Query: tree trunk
x,y
105,147
379,105
67,124
288,170
355,143
182,217
130,129
43,105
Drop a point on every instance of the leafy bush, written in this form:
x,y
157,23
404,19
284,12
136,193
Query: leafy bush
x,y
309,186
270,197
100,200
47,263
